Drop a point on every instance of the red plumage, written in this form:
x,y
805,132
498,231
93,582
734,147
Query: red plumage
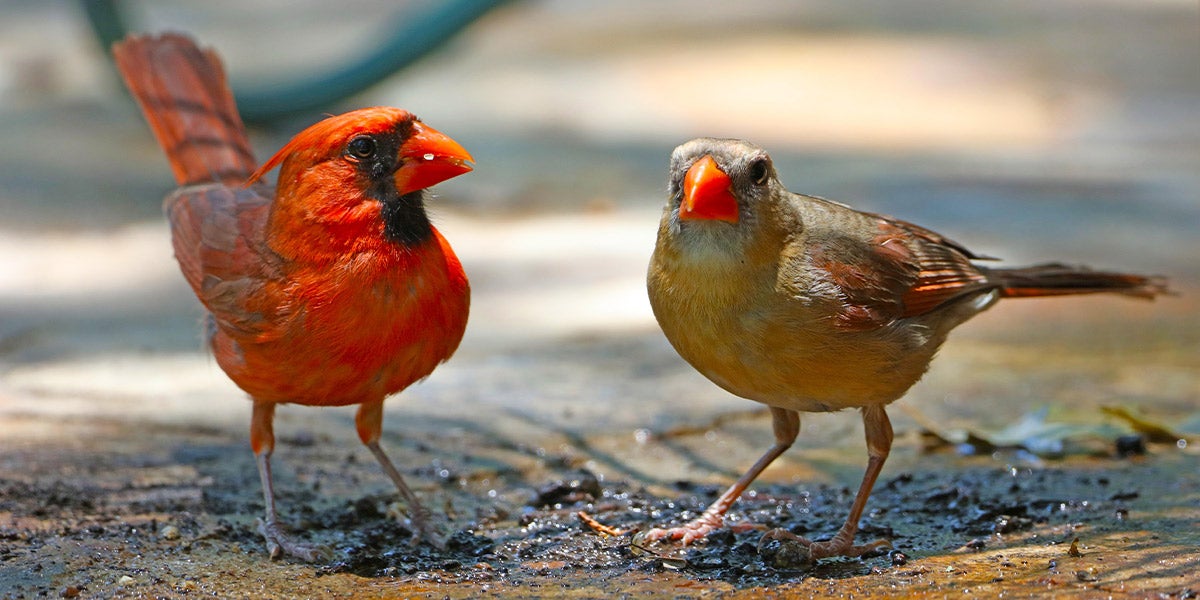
x,y
332,288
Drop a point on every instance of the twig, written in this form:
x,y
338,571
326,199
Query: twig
x,y
599,527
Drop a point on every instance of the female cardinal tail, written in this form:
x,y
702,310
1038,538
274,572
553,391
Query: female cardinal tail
x,y
1056,279
183,93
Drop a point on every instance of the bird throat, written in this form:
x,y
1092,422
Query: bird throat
x,y
404,218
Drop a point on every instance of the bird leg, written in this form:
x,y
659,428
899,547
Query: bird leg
x,y
369,422
786,424
879,444
262,442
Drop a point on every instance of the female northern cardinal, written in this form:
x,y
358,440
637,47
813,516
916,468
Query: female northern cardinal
x,y
807,305
331,289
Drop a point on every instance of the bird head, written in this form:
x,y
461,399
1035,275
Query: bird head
x,y
718,180
717,191
364,165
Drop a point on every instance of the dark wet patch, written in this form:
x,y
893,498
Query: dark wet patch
x,y
200,506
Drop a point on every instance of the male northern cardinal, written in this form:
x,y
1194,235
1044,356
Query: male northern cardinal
x,y
808,305
331,289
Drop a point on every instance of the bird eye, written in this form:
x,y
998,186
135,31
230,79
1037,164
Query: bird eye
x,y
759,171
362,147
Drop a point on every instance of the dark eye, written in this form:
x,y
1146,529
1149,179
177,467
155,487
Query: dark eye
x,y
759,171
362,147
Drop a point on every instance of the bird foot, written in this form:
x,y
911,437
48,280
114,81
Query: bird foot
x,y
423,525
279,543
694,530
428,532
839,546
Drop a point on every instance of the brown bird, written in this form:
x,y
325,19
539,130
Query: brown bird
x,y
331,288
807,305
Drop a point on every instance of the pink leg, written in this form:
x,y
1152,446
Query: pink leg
x,y
879,444
786,424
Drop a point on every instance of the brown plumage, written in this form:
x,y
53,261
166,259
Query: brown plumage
x,y
808,305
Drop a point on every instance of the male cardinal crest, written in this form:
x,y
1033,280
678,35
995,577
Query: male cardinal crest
x,y
807,305
332,288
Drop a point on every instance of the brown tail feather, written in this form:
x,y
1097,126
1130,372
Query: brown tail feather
x,y
1056,279
182,91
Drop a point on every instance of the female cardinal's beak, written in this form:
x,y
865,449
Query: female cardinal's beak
x,y
429,157
706,193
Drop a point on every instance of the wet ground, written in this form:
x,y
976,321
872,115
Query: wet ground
x,y
175,517
1029,131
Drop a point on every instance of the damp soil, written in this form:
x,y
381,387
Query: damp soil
x,y
180,522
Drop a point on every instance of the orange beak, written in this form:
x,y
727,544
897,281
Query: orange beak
x,y
706,193
427,158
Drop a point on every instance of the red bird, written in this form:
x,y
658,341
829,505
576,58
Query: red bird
x,y
331,289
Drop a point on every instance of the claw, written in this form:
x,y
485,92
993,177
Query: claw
x,y
280,543
687,533
428,533
424,525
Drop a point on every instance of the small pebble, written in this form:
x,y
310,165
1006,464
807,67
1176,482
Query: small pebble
x,y
170,532
125,580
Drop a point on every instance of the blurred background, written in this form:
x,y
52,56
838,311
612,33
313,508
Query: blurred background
x,y
1028,129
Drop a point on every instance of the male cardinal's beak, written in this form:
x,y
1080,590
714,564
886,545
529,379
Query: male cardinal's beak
x,y
429,157
706,193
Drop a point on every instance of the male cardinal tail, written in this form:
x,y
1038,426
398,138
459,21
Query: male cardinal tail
x,y
182,91
1056,279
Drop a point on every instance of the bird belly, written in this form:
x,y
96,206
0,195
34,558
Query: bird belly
x,y
795,360
354,343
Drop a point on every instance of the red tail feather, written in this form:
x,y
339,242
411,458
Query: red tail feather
x,y
182,91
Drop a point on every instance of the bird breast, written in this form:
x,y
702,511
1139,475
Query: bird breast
x,y
357,331
760,340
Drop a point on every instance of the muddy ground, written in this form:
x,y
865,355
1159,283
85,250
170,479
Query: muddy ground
x,y
103,496
171,514
1027,130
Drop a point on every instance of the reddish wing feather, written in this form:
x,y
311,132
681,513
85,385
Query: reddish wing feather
x,y
218,229
904,271
871,278
945,270
217,232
